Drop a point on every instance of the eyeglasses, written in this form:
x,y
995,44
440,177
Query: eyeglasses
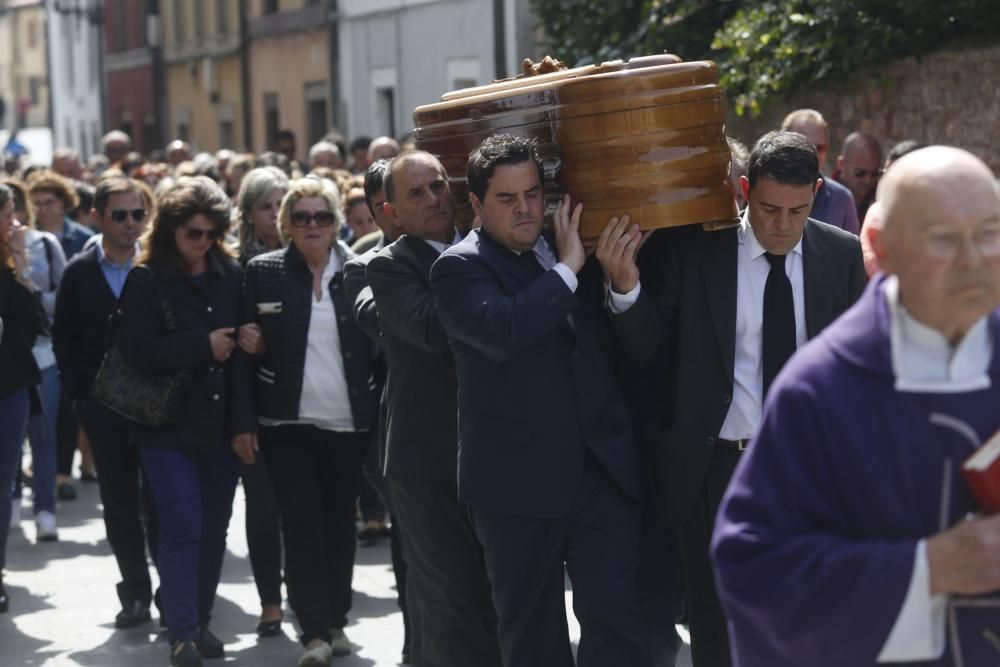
x,y
197,234
120,215
948,244
865,173
322,218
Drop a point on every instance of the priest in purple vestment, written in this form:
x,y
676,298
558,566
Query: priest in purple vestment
x,y
847,535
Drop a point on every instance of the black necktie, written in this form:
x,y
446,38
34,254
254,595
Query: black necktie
x,y
530,262
779,319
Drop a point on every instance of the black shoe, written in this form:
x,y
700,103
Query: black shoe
x,y
132,614
88,476
269,628
405,660
208,644
4,600
66,491
184,654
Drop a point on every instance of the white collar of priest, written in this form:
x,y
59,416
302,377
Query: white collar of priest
x,y
748,238
923,360
441,247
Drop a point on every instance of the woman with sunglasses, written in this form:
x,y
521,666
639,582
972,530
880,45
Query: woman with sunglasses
x,y
179,313
18,370
308,404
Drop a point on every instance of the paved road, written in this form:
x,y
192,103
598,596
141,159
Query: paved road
x,y
63,603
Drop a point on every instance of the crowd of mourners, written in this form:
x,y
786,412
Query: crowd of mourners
x,y
503,403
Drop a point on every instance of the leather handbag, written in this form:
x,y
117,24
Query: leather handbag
x,y
147,399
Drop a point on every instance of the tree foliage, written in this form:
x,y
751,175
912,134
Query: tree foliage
x,y
766,48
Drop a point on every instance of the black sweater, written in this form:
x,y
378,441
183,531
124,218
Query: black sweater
x,y
21,315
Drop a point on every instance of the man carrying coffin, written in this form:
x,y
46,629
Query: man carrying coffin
x,y
844,538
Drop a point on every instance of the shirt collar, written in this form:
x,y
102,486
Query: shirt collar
x,y
746,236
103,258
441,247
924,361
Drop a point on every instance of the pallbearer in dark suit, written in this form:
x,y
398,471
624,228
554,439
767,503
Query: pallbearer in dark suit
x,y
456,624
547,459
734,306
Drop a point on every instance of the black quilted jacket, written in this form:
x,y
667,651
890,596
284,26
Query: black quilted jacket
x,y
277,295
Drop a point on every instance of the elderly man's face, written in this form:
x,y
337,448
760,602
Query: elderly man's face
x,y
424,206
329,159
945,250
860,169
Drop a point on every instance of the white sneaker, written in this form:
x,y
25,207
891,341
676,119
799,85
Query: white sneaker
x,y
340,645
45,524
15,513
317,654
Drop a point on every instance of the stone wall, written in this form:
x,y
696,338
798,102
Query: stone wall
x,y
950,97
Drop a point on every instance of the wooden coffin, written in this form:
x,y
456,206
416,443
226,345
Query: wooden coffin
x,y
644,137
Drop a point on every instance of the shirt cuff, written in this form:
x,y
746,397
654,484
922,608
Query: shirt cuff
x,y
567,275
619,303
919,631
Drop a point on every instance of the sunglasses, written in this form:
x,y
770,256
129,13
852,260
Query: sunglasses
x,y
322,218
120,215
197,234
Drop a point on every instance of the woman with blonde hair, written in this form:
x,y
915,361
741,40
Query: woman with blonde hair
x,y
308,403
179,310
257,206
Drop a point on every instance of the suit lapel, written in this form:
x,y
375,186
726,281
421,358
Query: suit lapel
x,y
720,271
815,270
425,254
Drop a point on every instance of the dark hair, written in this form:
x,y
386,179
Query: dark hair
x,y
400,160
113,186
285,134
902,148
56,185
175,206
785,157
375,180
6,261
361,143
496,151
85,193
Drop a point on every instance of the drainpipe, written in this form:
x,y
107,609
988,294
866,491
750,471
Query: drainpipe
x,y
499,40
245,77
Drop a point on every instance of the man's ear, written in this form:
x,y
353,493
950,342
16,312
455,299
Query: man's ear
x,y
819,184
745,188
95,217
477,205
840,163
390,211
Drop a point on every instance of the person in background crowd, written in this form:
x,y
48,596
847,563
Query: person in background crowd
x,y
309,402
738,169
223,157
285,144
115,145
258,205
92,283
238,167
178,151
52,197
366,315
833,203
859,166
359,155
66,163
21,323
383,148
97,165
132,161
446,573
325,154
358,215
273,159
873,217
46,263
851,501
184,268
85,197
734,305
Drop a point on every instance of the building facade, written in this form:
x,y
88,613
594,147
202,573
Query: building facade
x,y
24,79
75,74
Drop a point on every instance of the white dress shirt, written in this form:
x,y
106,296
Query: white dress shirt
x,y
923,361
441,247
748,373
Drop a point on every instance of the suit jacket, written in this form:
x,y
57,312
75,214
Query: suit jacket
x,y
421,388
80,327
535,394
692,276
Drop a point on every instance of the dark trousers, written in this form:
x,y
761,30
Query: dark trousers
x,y
709,637
263,526
130,516
316,475
661,585
371,498
67,428
448,592
598,543
194,496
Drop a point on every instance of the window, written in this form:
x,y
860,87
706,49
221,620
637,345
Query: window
x,y
316,116
270,6
199,19
221,17
34,89
118,32
32,34
385,106
272,121
179,20
150,134
227,135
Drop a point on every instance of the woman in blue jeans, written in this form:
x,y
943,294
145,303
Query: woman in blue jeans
x,y
21,323
179,313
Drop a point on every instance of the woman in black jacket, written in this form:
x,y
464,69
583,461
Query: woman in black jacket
x,y
179,312
19,311
310,401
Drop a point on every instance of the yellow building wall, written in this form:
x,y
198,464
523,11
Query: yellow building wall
x,y
202,104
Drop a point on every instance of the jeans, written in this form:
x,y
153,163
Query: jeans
x,y
42,437
14,409
194,498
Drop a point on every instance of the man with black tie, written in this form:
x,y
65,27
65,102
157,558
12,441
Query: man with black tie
x,y
734,305
547,459
456,623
